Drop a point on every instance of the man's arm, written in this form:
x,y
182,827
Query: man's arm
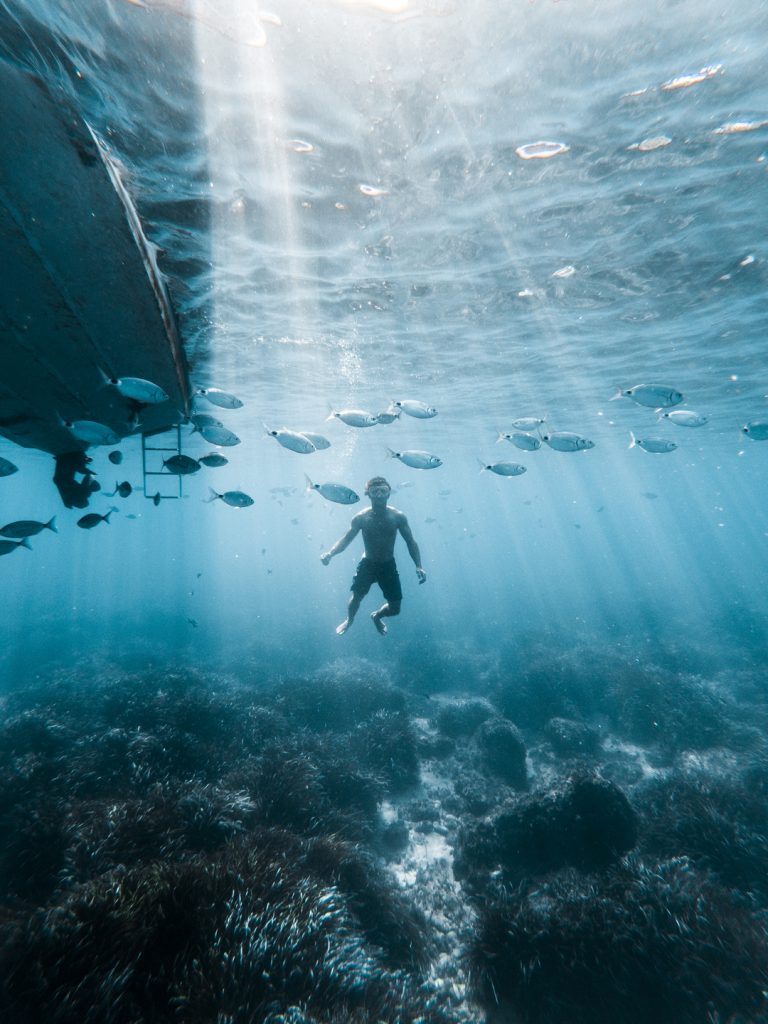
x,y
413,547
345,541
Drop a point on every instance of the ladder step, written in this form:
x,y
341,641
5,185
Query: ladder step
x,y
152,464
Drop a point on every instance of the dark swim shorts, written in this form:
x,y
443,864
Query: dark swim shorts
x,y
383,573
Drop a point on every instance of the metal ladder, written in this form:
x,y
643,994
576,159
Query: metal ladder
x,y
151,460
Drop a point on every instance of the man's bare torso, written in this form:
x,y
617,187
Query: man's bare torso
x,y
379,531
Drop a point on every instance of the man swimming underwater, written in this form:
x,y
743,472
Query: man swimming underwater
x,y
379,525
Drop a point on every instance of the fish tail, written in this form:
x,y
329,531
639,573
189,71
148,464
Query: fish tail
x,y
331,415
25,543
632,440
213,497
482,465
310,486
614,397
391,454
500,437
51,524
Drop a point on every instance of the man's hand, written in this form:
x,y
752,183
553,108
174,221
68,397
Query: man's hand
x,y
325,558
422,575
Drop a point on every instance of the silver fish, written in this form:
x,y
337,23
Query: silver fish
x,y
420,410
139,390
28,527
317,440
91,432
291,440
655,445
756,429
354,417
527,423
334,492
654,396
390,414
526,442
6,546
685,418
213,460
219,435
88,522
181,465
565,441
417,459
221,398
237,499
7,468
202,419
503,468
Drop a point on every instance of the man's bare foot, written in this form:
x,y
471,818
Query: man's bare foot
x,y
378,623
343,627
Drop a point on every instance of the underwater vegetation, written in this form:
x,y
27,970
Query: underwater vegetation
x,y
719,823
239,935
642,702
652,943
345,847
585,823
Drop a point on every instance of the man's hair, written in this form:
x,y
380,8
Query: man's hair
x,y
376,481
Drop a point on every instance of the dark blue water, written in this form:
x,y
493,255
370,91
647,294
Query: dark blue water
x,y
345,217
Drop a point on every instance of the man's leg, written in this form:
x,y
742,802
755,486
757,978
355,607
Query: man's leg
x,y
354,604
387,609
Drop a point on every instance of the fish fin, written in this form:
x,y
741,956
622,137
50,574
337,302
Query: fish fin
x,y
51,524
310,486
482,465
617,395
500,437
213,497
331,415
391,454
632,440
25,543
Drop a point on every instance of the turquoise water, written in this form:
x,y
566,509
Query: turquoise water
x,y
345,216
300,293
